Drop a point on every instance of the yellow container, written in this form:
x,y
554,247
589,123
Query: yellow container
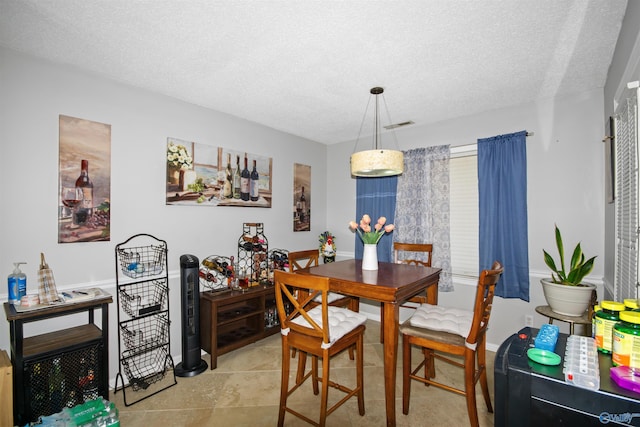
x,y
626,341
605,320
631,304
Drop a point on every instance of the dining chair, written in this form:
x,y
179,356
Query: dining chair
x,y
442,333
401,252
303,260
321,331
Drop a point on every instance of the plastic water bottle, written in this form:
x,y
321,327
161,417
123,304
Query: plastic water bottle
x,y
17,282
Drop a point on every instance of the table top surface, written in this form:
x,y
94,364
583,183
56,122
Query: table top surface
x,y
48,310
391,282
545,310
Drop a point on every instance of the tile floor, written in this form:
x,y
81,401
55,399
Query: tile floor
x,y
244,391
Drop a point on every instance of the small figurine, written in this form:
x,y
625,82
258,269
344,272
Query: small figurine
x,y
327,247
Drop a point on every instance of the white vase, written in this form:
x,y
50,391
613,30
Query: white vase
x,y
370,257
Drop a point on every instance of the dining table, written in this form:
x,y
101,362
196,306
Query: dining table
x,y
391,284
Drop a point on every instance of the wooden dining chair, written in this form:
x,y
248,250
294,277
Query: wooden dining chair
x,y
407,253
321,331
303,260
442,332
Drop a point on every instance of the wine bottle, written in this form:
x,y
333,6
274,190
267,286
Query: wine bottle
x,y
84,182
245,177
236,179
255,189
227,187
303,206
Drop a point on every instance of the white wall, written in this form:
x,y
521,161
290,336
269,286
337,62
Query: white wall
x,y
35,92
565,187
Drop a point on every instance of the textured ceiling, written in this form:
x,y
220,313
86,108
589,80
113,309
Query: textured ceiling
x,y
306,67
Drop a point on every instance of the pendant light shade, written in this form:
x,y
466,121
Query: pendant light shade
x,y
377,162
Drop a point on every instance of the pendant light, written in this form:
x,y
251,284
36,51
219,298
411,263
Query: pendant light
x,y
377,162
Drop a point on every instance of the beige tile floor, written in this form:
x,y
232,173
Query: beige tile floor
x,y
244,391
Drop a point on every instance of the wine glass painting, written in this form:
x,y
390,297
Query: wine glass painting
x,y
84,177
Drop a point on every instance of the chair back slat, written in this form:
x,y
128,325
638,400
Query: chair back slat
x,y
413,252
484,302
298,291
302,260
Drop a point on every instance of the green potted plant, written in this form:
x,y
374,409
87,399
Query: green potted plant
x,y
565,292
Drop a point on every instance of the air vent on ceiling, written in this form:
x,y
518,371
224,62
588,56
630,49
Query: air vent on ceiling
x,y
397,125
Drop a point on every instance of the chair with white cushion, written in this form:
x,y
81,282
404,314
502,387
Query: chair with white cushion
x,y
300,261
322,332
412,254
303,260
442,332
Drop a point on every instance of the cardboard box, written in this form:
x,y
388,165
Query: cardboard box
x,y
6,390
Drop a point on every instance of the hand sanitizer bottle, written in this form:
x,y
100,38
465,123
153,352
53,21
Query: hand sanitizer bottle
x,y
17,284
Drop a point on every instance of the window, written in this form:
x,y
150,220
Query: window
x,y
626,197
463,174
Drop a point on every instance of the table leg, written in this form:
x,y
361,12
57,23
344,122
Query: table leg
x,y
391,313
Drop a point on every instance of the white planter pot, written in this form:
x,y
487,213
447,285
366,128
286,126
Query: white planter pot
x,y
567,300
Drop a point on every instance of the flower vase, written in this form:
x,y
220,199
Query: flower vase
x,y
370,257
173,174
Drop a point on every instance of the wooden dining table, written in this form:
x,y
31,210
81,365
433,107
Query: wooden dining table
x,y
391,285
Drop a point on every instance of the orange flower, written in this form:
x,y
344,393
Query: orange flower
x,y
367,234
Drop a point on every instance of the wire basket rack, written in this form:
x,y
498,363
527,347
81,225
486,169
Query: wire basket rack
x,y
141,298
142,261
146,368
146,332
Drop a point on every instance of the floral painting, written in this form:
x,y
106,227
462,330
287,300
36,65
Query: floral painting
x,y
205,175
301,197
84,180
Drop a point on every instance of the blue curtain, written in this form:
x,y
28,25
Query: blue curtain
x,y
502,193
376,197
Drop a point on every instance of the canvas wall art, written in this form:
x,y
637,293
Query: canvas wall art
x,y
84,180
301,197
204,175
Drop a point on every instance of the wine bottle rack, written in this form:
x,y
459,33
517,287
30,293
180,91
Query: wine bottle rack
x,y
215,272
278,260
144,348
253,249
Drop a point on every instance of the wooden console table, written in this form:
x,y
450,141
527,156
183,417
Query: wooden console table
x,y
231,319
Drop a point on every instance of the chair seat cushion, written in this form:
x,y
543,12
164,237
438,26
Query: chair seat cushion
x,y
439,318
341,322
331,297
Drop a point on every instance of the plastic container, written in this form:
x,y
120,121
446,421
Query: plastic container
x,y
581,367
631,304
547,337
605,321
17,282
626,341
596,308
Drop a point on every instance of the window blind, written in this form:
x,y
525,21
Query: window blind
x,y
463,181
626,196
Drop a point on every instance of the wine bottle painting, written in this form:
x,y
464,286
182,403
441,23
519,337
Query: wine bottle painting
x,y
301,197
84,180
207,175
